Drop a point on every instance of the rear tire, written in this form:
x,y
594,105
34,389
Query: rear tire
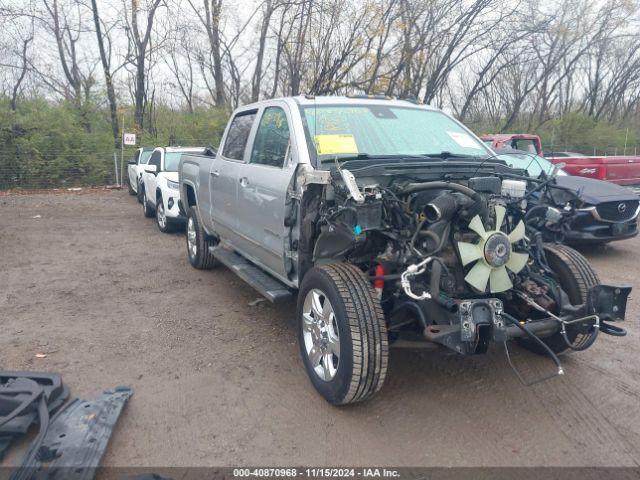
x,y
338,311
198,243
147,210
576,277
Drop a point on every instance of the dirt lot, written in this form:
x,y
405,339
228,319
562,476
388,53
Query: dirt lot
x,y
86,280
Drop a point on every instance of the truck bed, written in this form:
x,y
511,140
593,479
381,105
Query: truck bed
x,y
623,170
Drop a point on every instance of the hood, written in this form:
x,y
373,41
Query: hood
x,y
173,176
594,191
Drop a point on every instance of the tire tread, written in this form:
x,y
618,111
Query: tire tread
x,y
368,331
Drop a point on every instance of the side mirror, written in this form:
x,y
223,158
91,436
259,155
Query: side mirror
x,y
210,151
150,168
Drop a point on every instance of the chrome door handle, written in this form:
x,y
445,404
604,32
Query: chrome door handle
x,y
215,173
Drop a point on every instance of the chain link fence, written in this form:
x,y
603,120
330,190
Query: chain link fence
x,y
36,169
64,171
61,169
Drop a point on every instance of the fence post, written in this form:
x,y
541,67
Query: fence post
x,y
115,166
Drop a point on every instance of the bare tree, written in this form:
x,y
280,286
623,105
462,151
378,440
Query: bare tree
x,y
210,20
105,58
141,40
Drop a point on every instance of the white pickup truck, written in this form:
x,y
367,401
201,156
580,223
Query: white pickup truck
x,y
395,225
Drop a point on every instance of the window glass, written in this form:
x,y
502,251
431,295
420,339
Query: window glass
x,y
524,145
340,130
144,157
238,135
272,138
171,161
155,159
533,164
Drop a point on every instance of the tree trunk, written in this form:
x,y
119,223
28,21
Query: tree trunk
x,y
111,94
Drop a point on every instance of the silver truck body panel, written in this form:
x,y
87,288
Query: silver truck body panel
x,y
245,204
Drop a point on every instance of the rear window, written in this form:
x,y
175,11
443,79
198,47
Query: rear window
x,y
238,135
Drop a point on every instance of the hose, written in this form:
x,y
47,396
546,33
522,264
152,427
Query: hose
x,y
411,306
530,334
419,187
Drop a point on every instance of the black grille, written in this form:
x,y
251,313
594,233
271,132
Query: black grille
x,y
617,211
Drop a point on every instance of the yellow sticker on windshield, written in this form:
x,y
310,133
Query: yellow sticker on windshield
x,y
336,144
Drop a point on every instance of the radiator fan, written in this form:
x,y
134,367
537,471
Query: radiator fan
x,y
492,254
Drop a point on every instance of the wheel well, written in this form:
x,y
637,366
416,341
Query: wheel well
x,y
191,196
158,194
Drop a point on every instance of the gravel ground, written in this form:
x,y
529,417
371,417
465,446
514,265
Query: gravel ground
x,y
90,283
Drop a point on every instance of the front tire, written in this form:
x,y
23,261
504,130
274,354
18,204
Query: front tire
x,y
140,191
342,333
198,243
163,222
147,210
576,277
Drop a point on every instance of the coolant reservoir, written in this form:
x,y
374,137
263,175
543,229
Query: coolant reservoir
x,y
514,188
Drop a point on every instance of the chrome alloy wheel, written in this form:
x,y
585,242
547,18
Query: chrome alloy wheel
x,y
161,215
192,246
320,334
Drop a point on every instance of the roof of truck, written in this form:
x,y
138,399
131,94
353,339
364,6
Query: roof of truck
x,y
306,100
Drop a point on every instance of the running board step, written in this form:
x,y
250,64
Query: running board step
x,y
272,289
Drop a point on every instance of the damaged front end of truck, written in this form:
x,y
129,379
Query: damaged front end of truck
x,y
453,260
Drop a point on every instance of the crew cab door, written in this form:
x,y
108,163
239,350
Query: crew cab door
x,y
223,178
151,179
262,182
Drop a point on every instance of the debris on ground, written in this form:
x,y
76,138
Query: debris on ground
x,y
74,438
255,302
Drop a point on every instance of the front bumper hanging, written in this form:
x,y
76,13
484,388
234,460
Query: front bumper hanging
x,y
483,320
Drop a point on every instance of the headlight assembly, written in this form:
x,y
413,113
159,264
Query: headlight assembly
x,y
173,185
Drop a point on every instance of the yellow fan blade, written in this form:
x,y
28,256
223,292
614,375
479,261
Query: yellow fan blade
x,y
499,280
478,276
517,261
518,233
476,226
500,211
469,252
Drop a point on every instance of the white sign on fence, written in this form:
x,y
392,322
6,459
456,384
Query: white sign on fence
x,y
129,138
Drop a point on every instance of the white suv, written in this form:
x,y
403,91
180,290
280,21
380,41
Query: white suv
x,y
135,167
160,192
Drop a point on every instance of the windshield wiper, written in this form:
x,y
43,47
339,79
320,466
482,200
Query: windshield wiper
x,y
365,156
446,155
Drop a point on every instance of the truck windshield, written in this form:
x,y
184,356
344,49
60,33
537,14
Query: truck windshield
x,y
386,131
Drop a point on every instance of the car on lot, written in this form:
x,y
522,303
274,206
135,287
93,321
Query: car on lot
x,y
395,226
600,211
619,169
517,141
135,168
160,192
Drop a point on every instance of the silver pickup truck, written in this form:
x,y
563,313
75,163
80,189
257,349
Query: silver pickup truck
x,y
395,225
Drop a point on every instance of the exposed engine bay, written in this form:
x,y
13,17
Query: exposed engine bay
x,y
457,261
